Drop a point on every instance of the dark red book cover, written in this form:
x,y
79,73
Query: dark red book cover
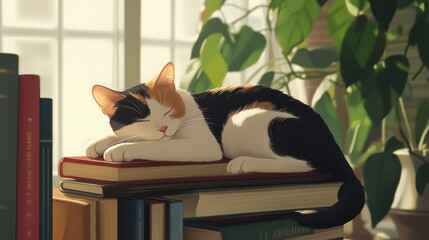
x,y
28,158
222,176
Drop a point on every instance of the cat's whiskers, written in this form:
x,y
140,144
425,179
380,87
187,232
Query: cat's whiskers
x,y
141,114
137,107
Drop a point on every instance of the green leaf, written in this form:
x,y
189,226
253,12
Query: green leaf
x,y
211,6
315,58
294,22
394,33
422,178
199,83
327,111
422,120
393,144
383,11
212,61
417,29
383,90
266,79
362,47
381,172
213,25
423,46
339,19
245,50
359,126
403,3
357,7
275,4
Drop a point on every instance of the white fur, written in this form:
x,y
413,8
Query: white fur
x,y
246,141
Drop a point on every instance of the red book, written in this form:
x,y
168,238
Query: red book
x,y
154,172
28,158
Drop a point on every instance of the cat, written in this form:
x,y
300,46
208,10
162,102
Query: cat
x,y
260,129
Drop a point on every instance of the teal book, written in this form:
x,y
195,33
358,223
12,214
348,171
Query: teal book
x,y
267,227
174,223
9,86
45,168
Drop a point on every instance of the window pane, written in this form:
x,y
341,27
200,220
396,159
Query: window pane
x,y
181,61
187,14
39,56
36,56
24,13
156,19
89,15
153,59
86,62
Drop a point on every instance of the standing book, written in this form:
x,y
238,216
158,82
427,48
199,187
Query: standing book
x,y
45,168
155,218
131,224
105,224
8,143
27,208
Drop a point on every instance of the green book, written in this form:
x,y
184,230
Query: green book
x,y
257,227
45,169
8,143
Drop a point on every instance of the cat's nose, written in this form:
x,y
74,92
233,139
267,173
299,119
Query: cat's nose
x,y
163,129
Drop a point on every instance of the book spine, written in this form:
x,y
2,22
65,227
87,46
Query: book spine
x,y
8,143
269,230
277,229
28,158
174,220
46,169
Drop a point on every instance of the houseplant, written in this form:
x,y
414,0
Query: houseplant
x,y
358,73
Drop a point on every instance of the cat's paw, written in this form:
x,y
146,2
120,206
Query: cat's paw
x,y
117,153
91,150
238,165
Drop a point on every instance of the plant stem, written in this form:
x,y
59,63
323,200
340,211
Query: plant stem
x,y
407,142
247,13
407,124
262,67
234,5
418,72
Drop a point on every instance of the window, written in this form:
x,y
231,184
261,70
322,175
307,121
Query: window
x,y
74,44
72,48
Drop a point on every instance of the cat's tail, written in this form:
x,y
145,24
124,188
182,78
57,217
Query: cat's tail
x,y
351,199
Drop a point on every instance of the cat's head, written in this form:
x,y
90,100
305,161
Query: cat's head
x,y
149,111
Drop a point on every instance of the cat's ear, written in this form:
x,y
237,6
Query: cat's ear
x,y
106,99
166,77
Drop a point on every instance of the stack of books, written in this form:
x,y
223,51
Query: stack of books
x,y
26,160
178,200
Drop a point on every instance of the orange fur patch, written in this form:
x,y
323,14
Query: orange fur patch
x,y
243,88
262,105
139,97
170,98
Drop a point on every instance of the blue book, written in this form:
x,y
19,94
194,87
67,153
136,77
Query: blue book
x,y
45,169
131,213
8,143
174,219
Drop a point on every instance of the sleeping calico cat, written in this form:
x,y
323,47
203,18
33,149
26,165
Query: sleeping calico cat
x,y
258,128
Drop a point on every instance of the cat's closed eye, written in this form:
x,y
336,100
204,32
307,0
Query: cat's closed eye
x,y
142,120
168,112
